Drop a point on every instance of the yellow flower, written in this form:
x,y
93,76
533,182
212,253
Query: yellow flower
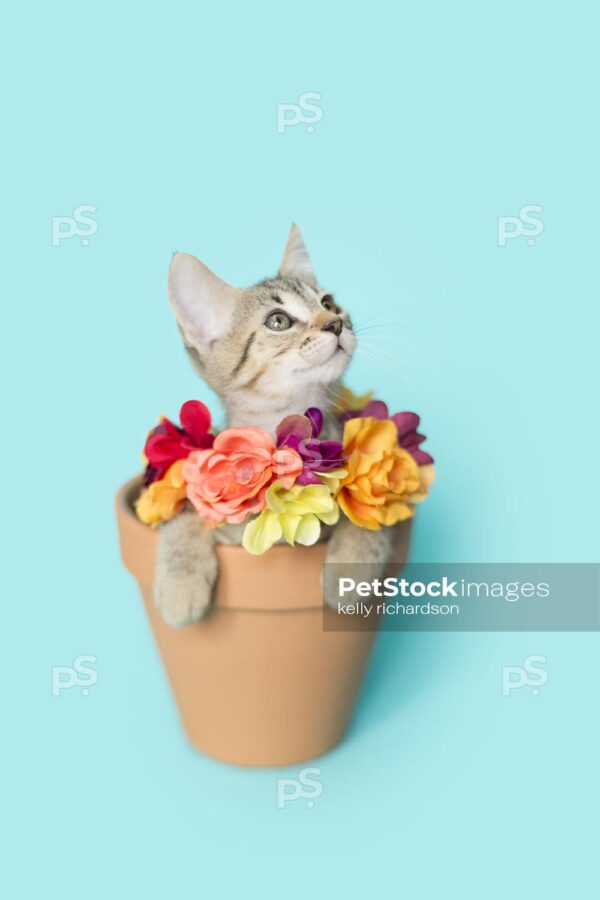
x,y
163,499
294,514
347,400
383,480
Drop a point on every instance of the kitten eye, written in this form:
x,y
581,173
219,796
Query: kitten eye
x,y
279,321
328,304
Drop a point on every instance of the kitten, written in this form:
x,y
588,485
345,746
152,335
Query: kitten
x,y
274,349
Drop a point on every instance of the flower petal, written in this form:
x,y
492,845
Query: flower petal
x,y
249,438
289,525
406,422
376,408
308,531
307,477
348,400
315,417
296,426
195,419
163,448
261,533
331,517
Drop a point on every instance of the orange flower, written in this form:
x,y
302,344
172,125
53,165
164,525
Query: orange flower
x,y
346,399
163,499
383,481
230,480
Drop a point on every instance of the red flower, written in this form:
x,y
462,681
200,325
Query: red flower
x,y
167,442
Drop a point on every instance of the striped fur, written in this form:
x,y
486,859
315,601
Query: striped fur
x,y
261,376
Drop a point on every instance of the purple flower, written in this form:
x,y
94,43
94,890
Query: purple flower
x,y
301,434
409,438
406,423
375,408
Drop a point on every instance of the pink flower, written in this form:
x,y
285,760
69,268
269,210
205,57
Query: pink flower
x,y
229,481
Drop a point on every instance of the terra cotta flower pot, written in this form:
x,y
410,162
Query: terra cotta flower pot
x,y
258,681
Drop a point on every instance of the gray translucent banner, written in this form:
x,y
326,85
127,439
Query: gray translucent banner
x,y
464,597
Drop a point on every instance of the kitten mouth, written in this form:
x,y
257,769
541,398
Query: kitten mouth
x,y
338,349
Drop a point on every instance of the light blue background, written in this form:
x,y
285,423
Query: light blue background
x,y
437,119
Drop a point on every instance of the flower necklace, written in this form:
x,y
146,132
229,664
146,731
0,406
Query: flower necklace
x,y
285,488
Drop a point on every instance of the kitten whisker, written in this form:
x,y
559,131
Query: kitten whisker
x,y
393,332
373,358
376,349
332,388
382,312
386,327
330,401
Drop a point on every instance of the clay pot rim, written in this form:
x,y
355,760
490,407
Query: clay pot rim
x,y
138,543
124,501
129,491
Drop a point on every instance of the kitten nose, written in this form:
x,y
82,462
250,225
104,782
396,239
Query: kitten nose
x,y
334,325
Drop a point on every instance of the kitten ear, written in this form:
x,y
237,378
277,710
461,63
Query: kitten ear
x,y
296,261
203,304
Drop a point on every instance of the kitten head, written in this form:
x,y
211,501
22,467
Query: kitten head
x,y
279,345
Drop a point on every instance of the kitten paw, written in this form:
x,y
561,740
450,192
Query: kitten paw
x,y
183,600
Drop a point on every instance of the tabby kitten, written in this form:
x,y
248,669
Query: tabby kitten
x,y
274,349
